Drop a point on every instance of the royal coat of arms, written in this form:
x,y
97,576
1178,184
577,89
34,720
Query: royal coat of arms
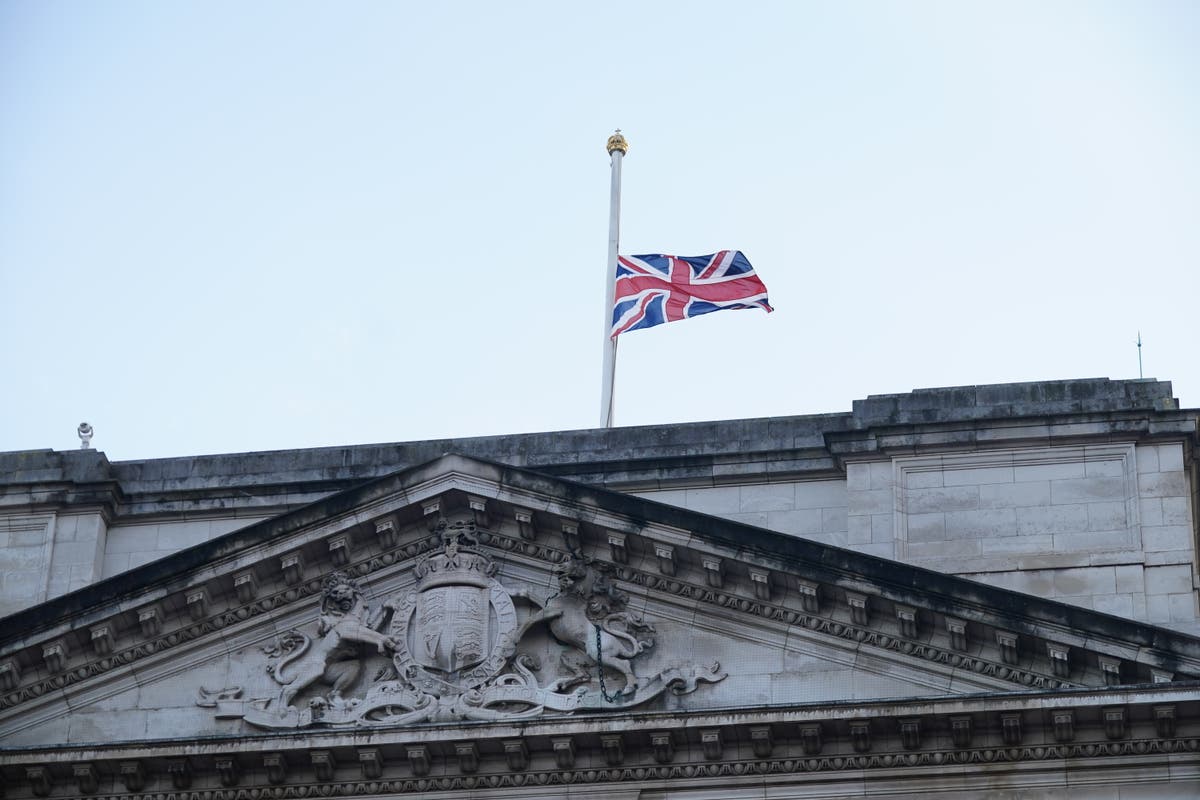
x,y
453,640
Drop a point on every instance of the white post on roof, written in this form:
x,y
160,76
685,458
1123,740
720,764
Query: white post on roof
x,y
617,148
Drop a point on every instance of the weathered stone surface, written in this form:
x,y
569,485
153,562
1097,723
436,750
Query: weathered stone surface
x,y
466,656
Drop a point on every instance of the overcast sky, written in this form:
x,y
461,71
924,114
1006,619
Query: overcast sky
x,y
245,226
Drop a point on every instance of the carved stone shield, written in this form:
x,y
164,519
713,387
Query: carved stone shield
x,y
451,628
457,628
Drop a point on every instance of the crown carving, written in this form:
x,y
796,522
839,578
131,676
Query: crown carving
x,y
458,563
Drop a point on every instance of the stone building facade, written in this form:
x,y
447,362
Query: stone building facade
x,y
977,591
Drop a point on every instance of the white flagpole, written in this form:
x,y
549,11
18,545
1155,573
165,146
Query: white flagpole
x,y
617,148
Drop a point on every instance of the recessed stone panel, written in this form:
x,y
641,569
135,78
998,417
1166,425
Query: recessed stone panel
x,y
1086,490
1015,495
981,523
957,498
1020,502
1052,519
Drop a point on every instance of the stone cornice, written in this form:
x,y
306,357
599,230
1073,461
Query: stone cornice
x,y
43,480
732,451
886,440
1130,725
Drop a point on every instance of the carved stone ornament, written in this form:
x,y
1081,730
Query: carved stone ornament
x,y
453,641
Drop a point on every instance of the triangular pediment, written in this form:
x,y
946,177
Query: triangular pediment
x,y
476,592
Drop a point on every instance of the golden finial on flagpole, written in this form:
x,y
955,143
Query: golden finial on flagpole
x,y
617,142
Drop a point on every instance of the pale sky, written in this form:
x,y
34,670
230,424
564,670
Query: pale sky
x,y
231,226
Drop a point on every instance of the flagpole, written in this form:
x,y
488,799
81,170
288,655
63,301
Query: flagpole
x,y
617,148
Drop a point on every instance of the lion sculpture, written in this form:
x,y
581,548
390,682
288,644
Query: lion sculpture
x,y
335,656
585,615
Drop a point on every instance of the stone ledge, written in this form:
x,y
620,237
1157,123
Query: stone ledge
x,y
1036,399
656,456
911,737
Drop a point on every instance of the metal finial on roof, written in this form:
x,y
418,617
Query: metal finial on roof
x,y
85,432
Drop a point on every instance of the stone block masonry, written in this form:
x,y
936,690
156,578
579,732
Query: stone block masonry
x,y
1081,490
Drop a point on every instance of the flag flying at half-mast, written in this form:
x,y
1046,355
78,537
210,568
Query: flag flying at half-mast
x,y
641,291
653,289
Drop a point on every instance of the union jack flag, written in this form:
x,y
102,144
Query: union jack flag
x,y
655,289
